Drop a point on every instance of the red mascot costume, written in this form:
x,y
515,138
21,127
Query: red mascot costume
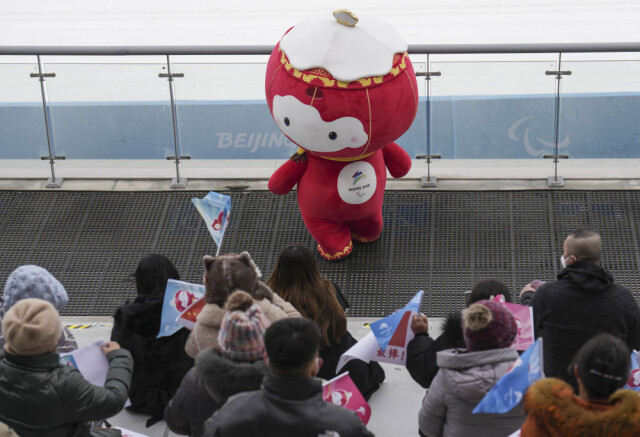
x,y
343,91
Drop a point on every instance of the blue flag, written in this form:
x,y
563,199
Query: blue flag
x,y
214,209
633,383
511,387
178,296
383,329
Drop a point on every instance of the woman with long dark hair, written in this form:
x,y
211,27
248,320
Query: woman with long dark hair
x,y
296,278
159,363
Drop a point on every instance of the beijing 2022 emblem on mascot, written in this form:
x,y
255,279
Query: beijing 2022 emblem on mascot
x,y
343,90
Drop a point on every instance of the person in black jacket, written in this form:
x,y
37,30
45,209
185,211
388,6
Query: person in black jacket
x,y
159,363
582,303
422,349
234,367
296,278
290,401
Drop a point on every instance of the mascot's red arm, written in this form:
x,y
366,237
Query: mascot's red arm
x,y
287,176
396,159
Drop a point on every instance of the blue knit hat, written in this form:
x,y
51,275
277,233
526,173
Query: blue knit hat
x,y
31,281
241,335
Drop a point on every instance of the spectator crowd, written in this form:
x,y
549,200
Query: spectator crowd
x,y
255,360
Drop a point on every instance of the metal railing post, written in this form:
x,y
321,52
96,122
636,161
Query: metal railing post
x,y
555,180
178,181
427,182
53,181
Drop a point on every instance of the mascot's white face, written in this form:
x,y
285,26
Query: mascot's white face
x,y
304,125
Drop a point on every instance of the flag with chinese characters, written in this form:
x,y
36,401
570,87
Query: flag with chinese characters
x,y
395,352
189,316
511,387
178,297
342,391
385,328
633,383
214,209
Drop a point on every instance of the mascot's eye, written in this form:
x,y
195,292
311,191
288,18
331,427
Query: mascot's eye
x,y
333,135
286,121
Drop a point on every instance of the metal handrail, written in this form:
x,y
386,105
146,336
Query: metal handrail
x,y
266,49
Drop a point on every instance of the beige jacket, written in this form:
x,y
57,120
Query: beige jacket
x,y
205,331
5,431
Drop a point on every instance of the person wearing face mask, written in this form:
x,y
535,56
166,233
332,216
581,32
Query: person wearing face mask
x,y
290,399
582,303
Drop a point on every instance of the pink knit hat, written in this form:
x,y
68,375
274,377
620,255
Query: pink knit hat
x,y
488,325
241,335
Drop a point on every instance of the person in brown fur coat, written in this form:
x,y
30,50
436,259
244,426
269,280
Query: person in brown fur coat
x,y
600,408
223,275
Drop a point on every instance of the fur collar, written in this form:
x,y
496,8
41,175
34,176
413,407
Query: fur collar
x,y
224,377
553,405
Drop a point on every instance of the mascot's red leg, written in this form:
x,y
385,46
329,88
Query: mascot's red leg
x,y
367,229
334,238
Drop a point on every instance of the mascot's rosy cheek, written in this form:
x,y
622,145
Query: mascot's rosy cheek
x,y
343,93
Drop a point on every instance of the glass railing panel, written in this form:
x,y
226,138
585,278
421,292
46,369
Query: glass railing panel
x,y
223,114
488,107
22,128
414,140
110,108
599,107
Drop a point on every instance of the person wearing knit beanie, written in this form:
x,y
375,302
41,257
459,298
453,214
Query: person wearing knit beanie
x,y
488,325
31,327
466,375
234,365
35,282
241,335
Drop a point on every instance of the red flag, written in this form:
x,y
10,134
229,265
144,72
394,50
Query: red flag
x,y
188,317
342,391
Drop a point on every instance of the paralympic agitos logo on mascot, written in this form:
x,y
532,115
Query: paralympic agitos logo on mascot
x,y
343,90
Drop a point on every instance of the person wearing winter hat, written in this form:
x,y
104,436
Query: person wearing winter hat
x,y
38,395
466,375
223,275
236,366
422,349
30,281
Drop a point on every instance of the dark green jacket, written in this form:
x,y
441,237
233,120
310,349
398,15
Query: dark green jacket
x,y
40,397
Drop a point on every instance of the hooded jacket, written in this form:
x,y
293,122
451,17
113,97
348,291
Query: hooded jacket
x,y
284,406
582,303
554,411
41,397
159,363
462,381
205,332
422,349
206,387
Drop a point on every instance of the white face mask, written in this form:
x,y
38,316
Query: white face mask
x,y
563,262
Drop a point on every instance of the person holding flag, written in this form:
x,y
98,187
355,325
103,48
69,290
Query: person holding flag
x,y
600,407
465,376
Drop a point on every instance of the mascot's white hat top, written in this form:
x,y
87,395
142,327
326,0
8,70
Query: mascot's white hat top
x,y
349,49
